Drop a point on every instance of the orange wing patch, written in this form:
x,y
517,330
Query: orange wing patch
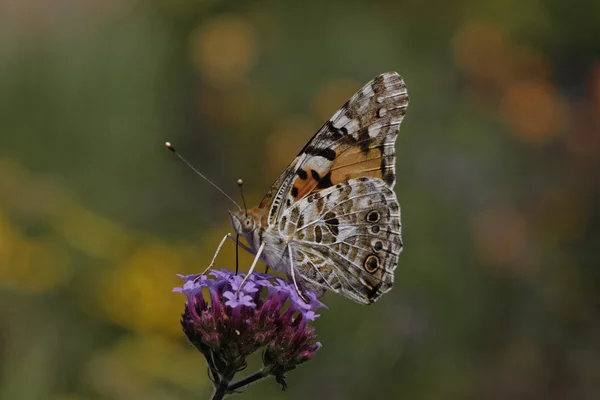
x,y
307,181
354,162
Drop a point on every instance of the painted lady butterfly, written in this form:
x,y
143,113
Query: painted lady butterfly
x,y
331,221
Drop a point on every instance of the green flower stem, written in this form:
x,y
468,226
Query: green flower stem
x,y
250,379
222,389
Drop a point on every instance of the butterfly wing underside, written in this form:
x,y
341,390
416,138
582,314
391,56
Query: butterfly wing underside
x,y
346,238
335,204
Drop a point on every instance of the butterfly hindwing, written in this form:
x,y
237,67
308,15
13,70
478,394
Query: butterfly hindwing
x,y
346,238
358,141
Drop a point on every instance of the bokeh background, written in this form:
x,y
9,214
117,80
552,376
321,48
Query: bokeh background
x,y
497,292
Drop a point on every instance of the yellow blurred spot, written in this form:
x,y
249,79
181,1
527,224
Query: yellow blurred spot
x,y
12,179
500,236
70,396
160,358
332,96
482,50
224,49
35,195
534,109
90,232
139,367
27,265
137,294
46,198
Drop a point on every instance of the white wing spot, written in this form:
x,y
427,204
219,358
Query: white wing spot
x,y
353,126
374,129
341,122
396,93
367,91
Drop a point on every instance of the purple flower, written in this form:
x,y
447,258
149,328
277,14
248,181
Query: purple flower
x,y
265,312
234,300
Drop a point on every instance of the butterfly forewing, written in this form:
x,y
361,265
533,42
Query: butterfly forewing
x,y
358,141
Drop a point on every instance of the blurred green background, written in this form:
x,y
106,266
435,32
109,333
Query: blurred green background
x,y
497,292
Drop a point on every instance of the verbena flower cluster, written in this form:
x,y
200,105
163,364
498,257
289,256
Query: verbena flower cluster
x,y
227,323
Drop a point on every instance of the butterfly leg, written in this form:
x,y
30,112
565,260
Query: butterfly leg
x,y
214,258
258,253
243,246
294,275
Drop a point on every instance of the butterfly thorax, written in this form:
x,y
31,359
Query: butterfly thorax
x,y
252,225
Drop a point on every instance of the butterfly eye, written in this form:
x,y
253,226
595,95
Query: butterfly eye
x,y
248,224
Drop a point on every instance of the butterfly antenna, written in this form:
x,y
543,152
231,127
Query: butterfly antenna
x,y
169,146
241,185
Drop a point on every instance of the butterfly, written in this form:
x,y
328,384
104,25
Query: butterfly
x,y
331,221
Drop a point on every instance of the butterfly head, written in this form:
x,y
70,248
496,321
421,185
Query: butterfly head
x,y
244,222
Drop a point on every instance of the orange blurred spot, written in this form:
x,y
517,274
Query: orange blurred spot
x,y
595,84
561,213
212,104
582,138
595,89
500,236
332,96
224,49
482,50
286,141
226,107
530,65
534,109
